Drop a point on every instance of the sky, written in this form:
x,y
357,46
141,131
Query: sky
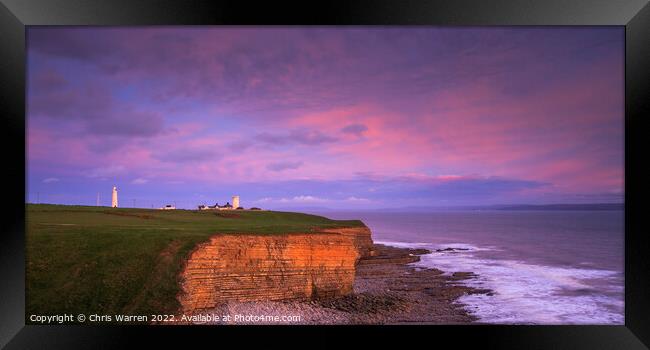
x,y
325,117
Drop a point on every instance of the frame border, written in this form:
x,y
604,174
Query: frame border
x,y
15,15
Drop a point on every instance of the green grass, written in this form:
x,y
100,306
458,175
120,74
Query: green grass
x,y
102,260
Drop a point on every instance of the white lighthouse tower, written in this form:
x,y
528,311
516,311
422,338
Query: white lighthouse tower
x,y
114,198
235,202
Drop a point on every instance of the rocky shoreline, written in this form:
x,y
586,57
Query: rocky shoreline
x,y
387,290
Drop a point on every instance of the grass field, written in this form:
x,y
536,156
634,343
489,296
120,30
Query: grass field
x,y
99,260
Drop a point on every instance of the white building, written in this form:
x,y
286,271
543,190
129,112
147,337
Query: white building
x,y
235,204
114,198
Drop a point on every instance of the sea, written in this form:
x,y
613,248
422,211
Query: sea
x,y
545,267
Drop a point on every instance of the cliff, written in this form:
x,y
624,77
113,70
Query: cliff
x,y
254,267
361,236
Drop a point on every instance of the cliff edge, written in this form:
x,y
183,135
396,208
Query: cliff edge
x,y
253,267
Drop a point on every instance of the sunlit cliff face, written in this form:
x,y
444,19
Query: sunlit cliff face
x,y
246,267
325,117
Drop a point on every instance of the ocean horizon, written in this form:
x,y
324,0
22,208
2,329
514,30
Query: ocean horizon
x,y
544,267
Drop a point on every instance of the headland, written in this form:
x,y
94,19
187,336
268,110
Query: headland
x,y
121,261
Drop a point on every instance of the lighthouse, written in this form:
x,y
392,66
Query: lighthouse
x,y
114,198
235,202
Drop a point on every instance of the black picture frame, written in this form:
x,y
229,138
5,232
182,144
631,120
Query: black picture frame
x,y
15,15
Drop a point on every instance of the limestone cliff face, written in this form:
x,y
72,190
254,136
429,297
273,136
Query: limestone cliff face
x,y
361,236
250,267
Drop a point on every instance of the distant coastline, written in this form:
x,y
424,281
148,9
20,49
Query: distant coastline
x,y
523,207
591,206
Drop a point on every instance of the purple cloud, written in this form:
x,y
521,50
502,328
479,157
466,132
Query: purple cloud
x,y
241,145
280,166
300,136
106,172
139,181
127,123
91,108
355,129
73,44
48,80
187,154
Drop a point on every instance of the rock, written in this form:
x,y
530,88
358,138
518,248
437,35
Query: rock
x,y
386,289
450,249
463,275
362,239
365,303
246,267
481,291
